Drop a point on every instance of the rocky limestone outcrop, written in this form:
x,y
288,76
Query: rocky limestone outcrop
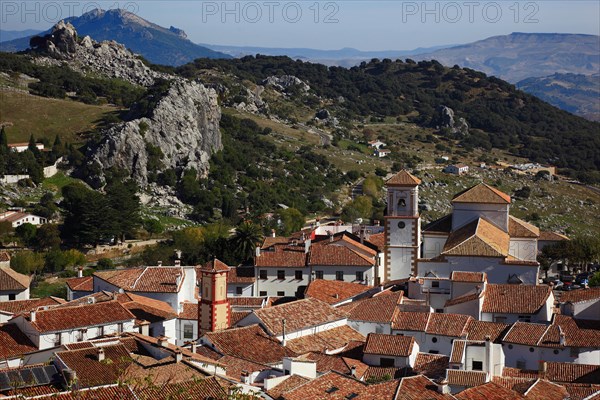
x,y
109,58
184,125
446,119
284,82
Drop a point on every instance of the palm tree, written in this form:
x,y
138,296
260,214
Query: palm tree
x,y
247,236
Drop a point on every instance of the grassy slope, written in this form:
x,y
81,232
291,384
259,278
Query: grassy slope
x,y
25,114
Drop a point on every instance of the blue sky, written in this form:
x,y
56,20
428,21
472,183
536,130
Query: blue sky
x,y
366,25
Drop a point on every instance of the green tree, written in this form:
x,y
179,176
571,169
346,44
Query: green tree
x,y
189,241
247,236
361,207
105,263
595,279
372,186
292,220
125,203
153,226
27,262
26,233
47,237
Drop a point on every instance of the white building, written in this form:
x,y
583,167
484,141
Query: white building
x,y
13,285
55,326
21,147
581,304
377,144
17,218
457,169
390,351
381,153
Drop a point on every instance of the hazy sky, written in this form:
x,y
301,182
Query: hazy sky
x,y
366,25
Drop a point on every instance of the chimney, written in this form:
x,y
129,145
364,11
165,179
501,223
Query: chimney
x,y
70,376
330,236
177,263
159,263
353,371
145,328
442,387
283,341
80,272
257,251
32,316
194,346
178,254
488,355
542,369
307,246
273,233
100,354
178,356
245,377
562,340
162,341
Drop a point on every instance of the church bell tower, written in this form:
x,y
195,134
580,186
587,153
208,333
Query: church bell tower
x,y
402,226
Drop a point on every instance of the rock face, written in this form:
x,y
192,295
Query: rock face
x,y
108,58
445,119
184,125
282,83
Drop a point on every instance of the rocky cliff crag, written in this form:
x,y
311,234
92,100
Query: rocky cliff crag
x,y
184,123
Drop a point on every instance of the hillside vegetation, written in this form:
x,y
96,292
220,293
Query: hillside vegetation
x,y
498,115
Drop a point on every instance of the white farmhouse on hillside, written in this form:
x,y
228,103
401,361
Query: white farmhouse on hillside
x,y
17,218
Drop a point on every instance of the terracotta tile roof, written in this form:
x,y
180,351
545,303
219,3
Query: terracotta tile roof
x,y
331,385
545,390
552,236
326,362
419,388
482,193
11,280
234,342
410,321
241,275
331,339
33,391
237,316
83,284
189,311
380,308
13,342
454,325
298,315
403,178
515,299
236,365
378,240
577,296
145,308
432,366
579,391
207,352
389,345
561,372
148,279
381,373
247,302
100,393
282,256
4,256
517,384
578,332
457,377
215,266
19,306
518,228
380,391
64,318
478,238
465,276
333,292
334,255
287,385
442,225
196,389
478,330
488,391
471,295
90,371
271,241
458,351
525,333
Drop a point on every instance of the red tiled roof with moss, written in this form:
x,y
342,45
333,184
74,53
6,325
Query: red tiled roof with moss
x,y
332,292
382,307
482,193
83,284
389,345
331,339
11,280
515,299
13,342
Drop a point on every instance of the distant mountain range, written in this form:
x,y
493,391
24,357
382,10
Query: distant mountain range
x,y
346,57
6,36
514,58
519,56
157,44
